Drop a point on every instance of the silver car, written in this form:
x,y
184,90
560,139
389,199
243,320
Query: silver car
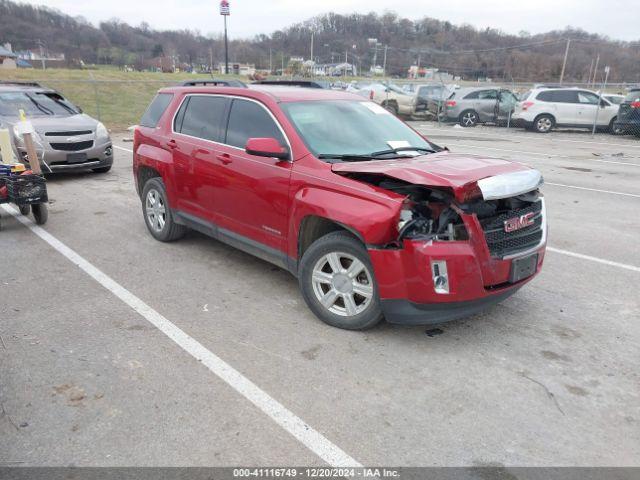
x,y
66,139
471,106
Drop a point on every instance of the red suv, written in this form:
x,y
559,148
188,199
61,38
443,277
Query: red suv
x,y
374,220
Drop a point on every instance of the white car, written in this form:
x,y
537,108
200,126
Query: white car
x,y
543,109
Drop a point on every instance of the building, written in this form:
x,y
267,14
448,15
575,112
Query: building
x,y
246,69
425,73
334,69
8,59
53,60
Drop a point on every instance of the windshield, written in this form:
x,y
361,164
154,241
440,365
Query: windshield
x,y
35,104
347,127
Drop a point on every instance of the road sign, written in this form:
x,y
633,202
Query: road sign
x,y
224,8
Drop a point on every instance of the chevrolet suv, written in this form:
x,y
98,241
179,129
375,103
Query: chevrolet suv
x,y
373,219
66,139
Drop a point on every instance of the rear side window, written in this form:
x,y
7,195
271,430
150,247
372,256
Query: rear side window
x,y
545,96
250,120
201,116
563,96
155,111
483,95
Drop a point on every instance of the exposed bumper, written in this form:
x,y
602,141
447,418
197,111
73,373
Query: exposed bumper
x,y
55,161
405,312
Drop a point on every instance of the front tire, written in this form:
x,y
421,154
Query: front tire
x,y
337,282
468,118
157,215
613,130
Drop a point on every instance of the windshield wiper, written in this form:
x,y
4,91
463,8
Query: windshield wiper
x,y
352,157
39,106
392,151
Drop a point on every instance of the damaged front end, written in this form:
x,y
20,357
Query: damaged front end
x,y
479,241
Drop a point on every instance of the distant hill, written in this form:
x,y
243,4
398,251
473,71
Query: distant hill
x,y
462,50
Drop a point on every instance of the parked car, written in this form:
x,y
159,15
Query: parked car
x,y
473,105
373,219
392,98
613,98
628,120
66,139
544,109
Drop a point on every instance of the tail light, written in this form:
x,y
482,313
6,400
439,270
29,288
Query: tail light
x,y
526,105
635,104
450,103
370,94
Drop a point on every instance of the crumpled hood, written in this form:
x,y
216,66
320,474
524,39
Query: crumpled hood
x,y
443,169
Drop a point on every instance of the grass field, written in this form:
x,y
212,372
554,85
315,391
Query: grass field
x,y
117,98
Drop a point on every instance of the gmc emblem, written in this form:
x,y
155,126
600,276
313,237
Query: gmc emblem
x,y
517,223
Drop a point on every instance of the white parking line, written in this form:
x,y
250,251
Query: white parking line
x,y
122,148
306,435
532,137
635,195
633,268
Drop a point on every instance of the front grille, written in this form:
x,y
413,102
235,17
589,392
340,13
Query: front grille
x,y
72,147
70,133
501,243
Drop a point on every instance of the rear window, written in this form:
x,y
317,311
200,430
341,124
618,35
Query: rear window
x,y
154,112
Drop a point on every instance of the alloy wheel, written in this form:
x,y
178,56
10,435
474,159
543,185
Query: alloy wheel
x,y
155,210
469,119
544,124
342,284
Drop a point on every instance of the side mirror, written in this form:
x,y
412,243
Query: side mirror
x,y
266,147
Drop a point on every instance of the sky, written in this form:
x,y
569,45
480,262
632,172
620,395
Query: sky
x,y
250,17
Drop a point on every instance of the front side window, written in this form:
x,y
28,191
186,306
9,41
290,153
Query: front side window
x,y
201,116
588,98
346,127
250,120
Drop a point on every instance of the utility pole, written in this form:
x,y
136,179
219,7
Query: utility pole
x,y
595,71
270,61
590,72
564,63
384,62
607,69
41,45
211,59
312,46
225,12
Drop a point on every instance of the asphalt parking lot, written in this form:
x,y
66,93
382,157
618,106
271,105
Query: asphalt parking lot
x,y
95,376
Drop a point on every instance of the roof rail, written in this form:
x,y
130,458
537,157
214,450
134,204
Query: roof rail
x,y
290,83
20,83
215,83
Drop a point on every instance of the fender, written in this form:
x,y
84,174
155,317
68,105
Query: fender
x,y
374,222
160,160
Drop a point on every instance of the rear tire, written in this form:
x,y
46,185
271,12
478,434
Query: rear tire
x,y
157,215
544,123
468,119
391,107
25,209
40,213
337,282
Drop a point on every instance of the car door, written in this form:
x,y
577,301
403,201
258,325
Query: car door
x,y
487,104
197,130
587,108
565,103
252,196
507,102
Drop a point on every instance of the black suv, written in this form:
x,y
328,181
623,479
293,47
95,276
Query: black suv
x,y
629,114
